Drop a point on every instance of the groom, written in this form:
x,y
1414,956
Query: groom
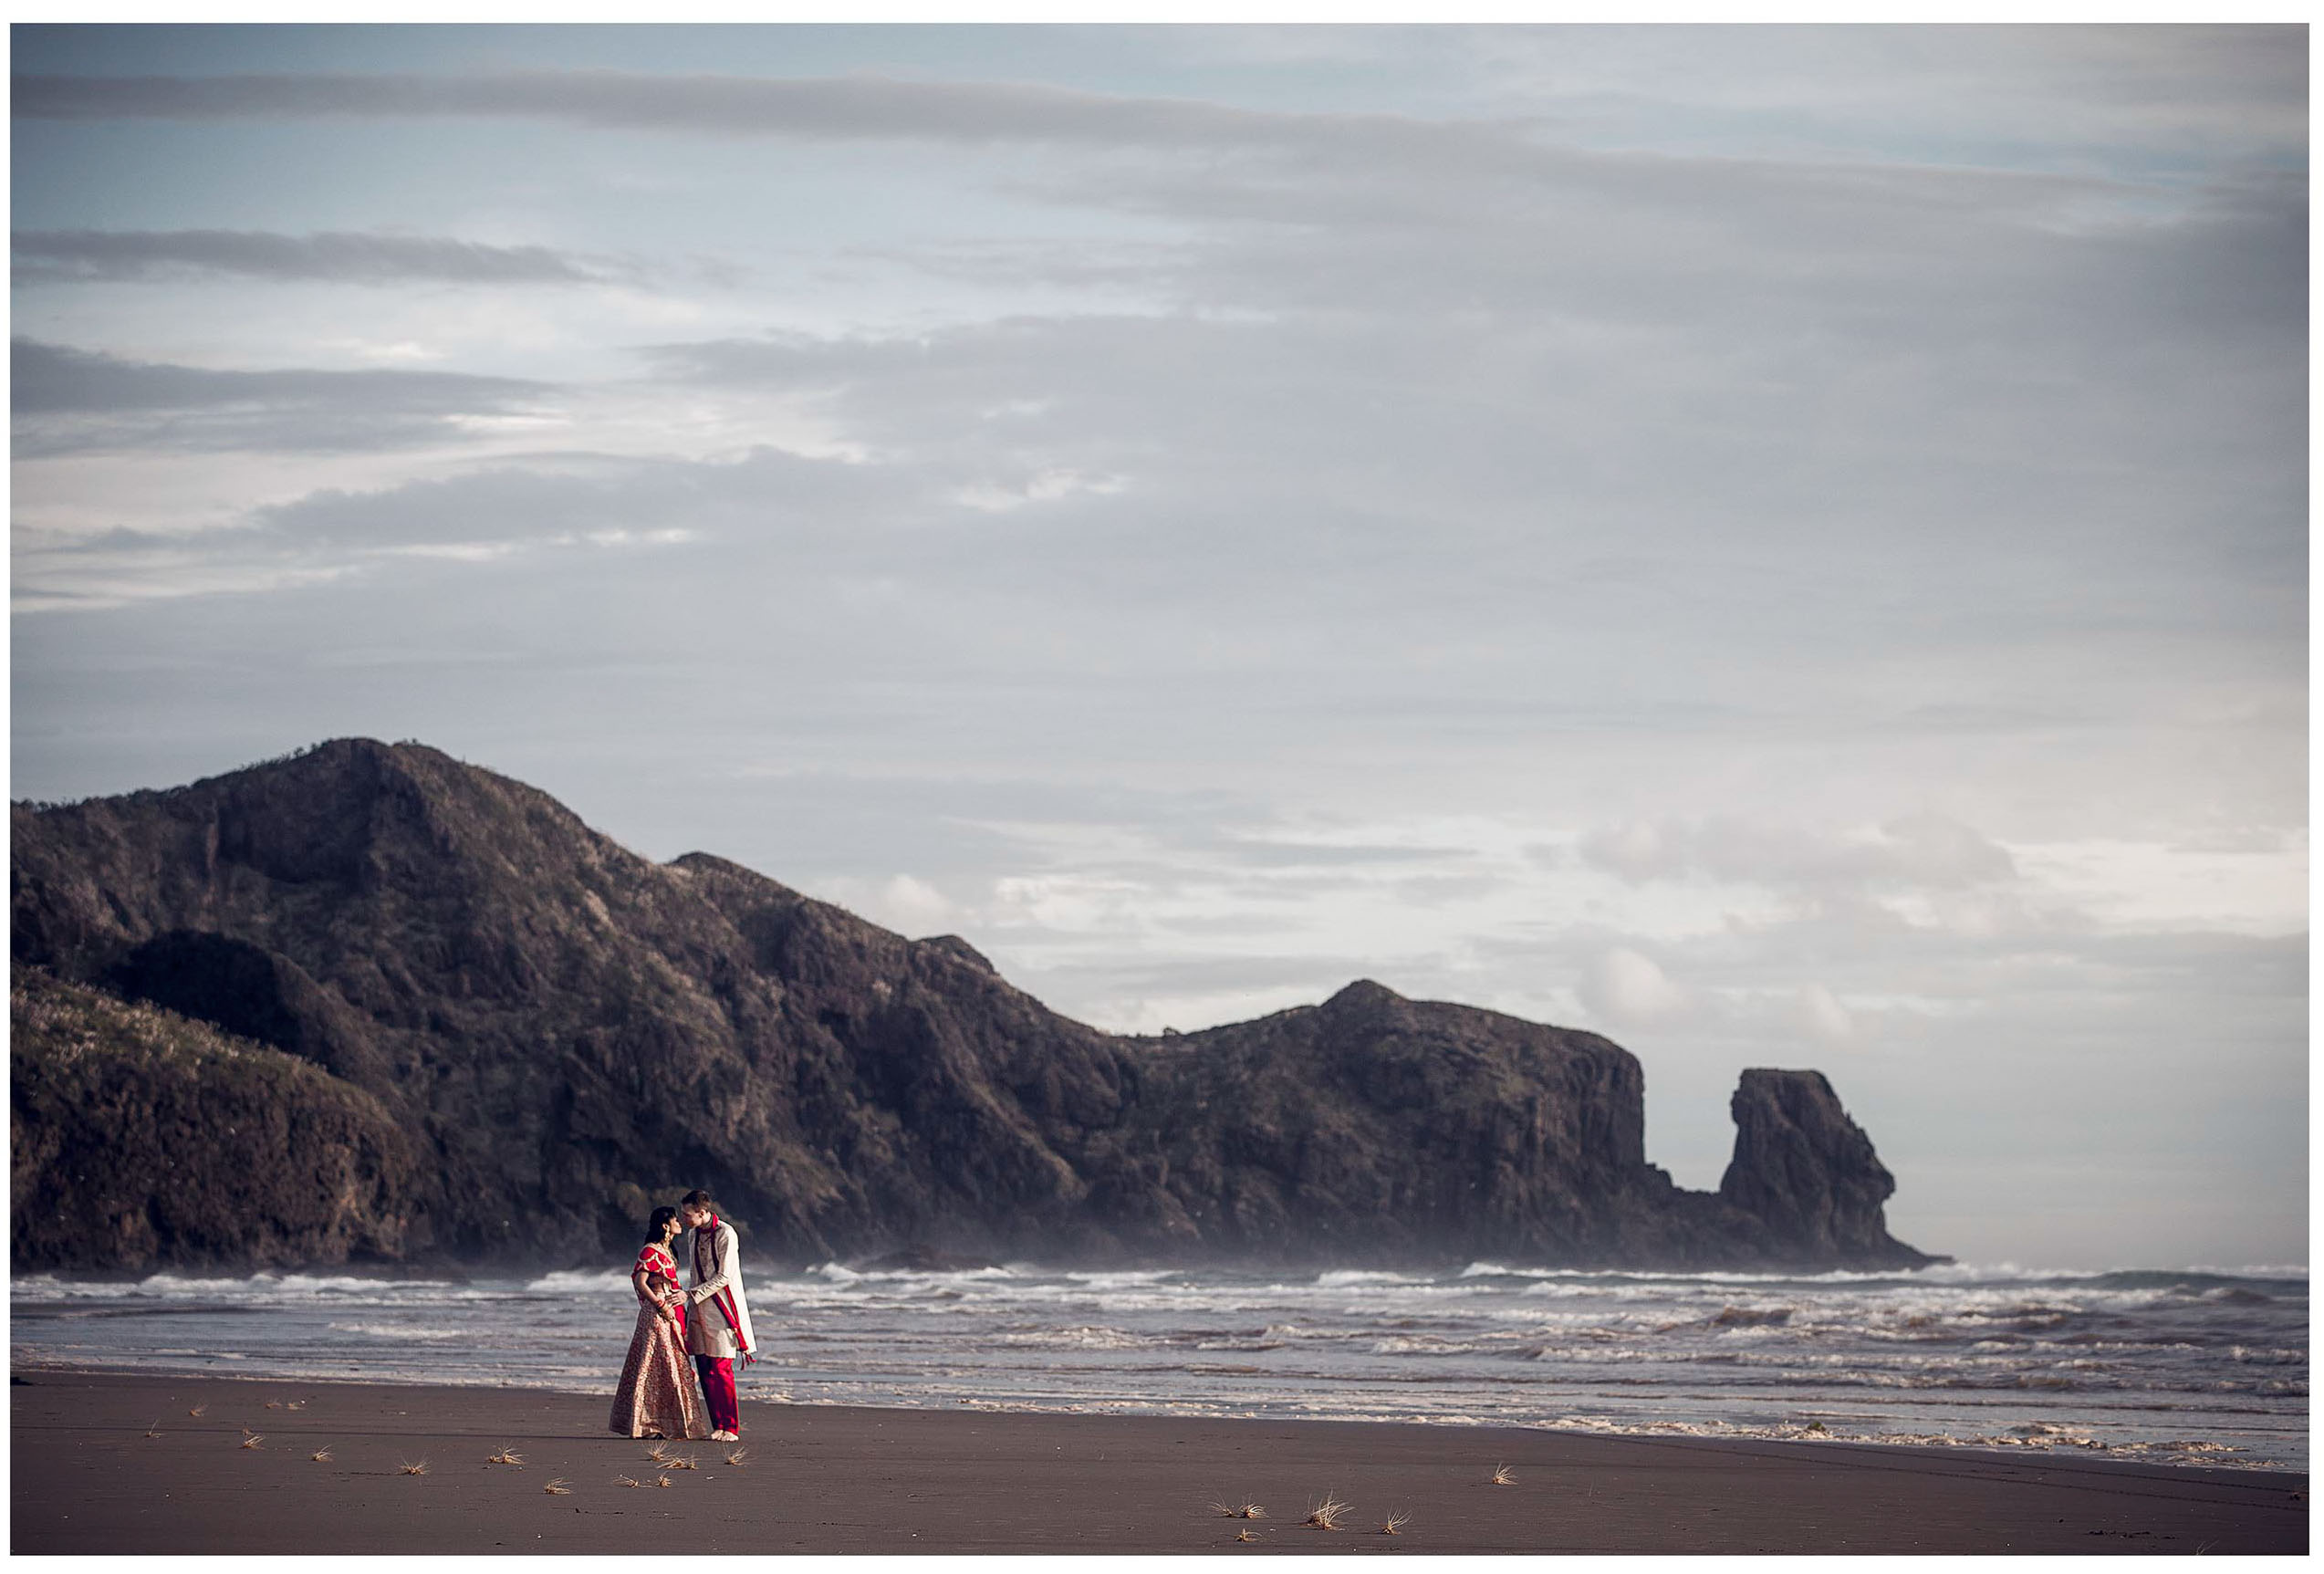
x,y
718,1329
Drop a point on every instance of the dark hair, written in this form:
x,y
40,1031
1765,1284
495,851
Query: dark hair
x,y
697,1200
653,1225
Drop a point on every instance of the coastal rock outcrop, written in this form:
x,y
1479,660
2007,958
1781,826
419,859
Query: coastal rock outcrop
x,y
1808,1173
558,1033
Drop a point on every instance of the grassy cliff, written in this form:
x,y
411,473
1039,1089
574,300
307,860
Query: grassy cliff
x,y
143,1139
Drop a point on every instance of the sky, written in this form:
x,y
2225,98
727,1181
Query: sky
x,y
1782,546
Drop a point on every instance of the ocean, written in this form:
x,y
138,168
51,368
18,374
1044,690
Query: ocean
x,y
2171,1367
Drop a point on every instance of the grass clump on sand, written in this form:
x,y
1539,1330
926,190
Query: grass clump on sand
x,y
558,1488
507,1456
1396,1523
1238,1510
1504,1476
1325,1516
414,1467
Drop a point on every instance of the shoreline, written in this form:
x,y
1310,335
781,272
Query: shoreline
x,y
1926,1443
1916,1446
87,1477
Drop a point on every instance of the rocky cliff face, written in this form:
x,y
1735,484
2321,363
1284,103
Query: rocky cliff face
x,y
560,1034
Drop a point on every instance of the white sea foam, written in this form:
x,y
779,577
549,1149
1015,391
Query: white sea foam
x,y
581,1281
1122,1280
402,1331
1080,1339
1345,1278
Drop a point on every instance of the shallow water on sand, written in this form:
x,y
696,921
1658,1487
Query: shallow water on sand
x,y
2185,1367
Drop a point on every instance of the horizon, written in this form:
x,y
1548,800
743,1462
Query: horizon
x,y
1781,547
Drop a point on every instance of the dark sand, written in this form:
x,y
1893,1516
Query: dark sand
x,y
85,1478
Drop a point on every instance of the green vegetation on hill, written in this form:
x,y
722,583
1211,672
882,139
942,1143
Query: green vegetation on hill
x,y
143,1139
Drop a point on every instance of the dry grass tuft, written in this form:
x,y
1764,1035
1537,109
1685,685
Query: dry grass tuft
x,y
1238,1511
507,1456
321,1457
558,1488
1396,1523
198,1409
1245,1536
627,1481
664,1481
1504,1476
274,1404
688,1463
1325,1516
417,1467
657,1454
154,1430
738,1457
253,1439
295,1405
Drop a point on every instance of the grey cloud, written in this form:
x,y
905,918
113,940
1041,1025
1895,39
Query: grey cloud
x,y
1923,851
1363,447
1410,169
2057,976
1302,980
68,400
2071,93
765,491
331,256
1273,854
570,502
864,107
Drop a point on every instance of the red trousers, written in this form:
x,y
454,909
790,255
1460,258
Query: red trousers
x,y
718,1391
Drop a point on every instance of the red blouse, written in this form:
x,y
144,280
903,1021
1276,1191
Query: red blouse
x,y
655,1263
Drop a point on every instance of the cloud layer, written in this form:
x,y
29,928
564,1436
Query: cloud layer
x,y
66,401
337,257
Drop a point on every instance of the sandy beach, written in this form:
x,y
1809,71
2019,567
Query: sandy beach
x,y
88,1478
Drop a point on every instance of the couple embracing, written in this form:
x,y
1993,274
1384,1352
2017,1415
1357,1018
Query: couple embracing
x,y
657,1396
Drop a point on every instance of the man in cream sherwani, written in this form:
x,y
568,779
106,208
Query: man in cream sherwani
x,y
718,1320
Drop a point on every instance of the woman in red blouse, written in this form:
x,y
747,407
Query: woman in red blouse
x,y
657,1396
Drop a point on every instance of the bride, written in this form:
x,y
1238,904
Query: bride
x,y
657,1396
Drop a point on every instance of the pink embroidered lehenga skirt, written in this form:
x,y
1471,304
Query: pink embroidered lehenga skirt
x,y
658,1395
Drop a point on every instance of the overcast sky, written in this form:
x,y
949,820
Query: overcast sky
x,y
1784,546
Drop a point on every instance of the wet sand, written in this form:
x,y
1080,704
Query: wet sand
x,y
84,1477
